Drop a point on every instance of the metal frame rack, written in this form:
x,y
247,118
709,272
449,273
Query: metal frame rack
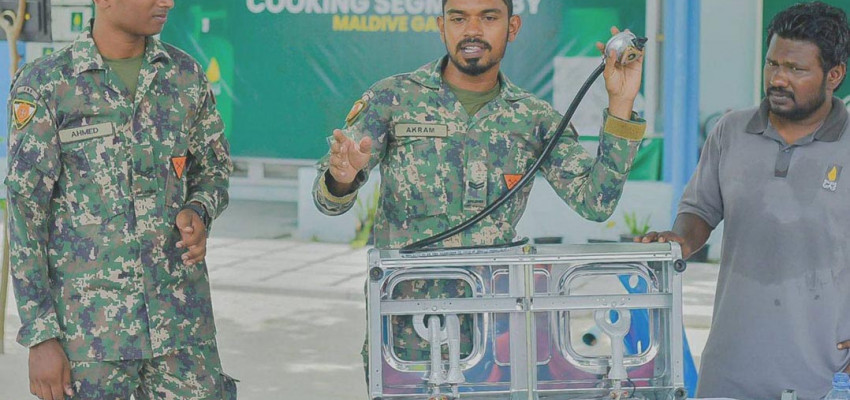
x,y
518,303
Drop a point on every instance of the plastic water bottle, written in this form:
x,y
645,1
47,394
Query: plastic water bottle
x,y
840,387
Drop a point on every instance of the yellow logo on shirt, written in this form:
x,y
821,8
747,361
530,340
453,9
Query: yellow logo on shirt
x,y
832,175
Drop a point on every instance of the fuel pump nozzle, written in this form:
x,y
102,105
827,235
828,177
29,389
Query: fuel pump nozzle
x,y
627,46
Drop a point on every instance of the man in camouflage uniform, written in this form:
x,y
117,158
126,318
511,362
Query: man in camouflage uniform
x,y
115,173
443,159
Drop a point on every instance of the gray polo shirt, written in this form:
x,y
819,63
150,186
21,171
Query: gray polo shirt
x,y
783,295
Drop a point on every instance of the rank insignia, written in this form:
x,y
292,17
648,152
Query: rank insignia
x,y
511,180
179,164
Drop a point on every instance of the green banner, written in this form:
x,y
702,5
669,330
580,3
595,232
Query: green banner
x,y
286,72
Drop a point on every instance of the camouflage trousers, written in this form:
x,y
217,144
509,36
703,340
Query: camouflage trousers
x,y
192,373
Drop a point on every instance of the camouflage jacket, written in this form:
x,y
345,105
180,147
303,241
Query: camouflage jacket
x,y
96,179
440,166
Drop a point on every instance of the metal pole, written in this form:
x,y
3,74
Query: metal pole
x,y
12,23
681,94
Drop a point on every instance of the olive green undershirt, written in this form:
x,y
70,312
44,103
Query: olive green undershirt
x,y
127,70
474,101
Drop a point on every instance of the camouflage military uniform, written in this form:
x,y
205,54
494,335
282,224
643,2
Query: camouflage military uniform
x,y
440,166
96,179
191,373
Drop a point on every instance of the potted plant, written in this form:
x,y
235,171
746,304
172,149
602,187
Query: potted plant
x,y
636,226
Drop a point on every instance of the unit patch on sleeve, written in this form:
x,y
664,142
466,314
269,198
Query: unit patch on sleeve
x,y
356,109
24,111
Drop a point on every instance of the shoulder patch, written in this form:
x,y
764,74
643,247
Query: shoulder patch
x,y
24,111
359,106
356,109
27,90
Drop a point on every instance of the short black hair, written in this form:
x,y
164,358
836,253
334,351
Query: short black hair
x,y
509,3
821,24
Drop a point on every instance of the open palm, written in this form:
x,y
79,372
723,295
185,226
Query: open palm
x,y
347,157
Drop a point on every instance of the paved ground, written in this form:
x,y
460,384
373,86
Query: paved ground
x,y
290,314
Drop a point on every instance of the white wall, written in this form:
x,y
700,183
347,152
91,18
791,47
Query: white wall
x,y
730,56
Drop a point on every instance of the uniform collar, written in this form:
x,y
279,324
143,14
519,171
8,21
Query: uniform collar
x,y
830,131
431,76
87,57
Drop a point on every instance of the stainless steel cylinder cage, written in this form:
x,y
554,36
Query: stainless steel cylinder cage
x,y
530,309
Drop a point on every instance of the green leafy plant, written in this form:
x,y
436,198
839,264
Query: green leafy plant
x,y
636,227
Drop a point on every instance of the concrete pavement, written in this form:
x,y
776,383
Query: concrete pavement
x,y
291,315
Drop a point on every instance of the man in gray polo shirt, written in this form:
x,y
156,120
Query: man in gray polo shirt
x,y
774,175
